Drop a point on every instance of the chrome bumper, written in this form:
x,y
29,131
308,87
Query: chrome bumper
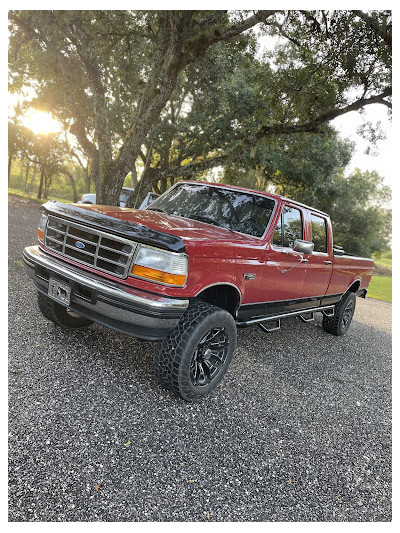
x,y
125,309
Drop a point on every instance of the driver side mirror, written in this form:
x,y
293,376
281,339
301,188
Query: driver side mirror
x,y
303,247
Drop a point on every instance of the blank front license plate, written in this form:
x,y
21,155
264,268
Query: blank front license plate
x,y
60,291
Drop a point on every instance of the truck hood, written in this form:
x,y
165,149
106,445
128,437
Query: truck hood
x,y
189,230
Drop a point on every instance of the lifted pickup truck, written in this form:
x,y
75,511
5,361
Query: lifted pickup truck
x,y
201,261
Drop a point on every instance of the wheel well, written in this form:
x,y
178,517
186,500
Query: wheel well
x,y
354,287
225,296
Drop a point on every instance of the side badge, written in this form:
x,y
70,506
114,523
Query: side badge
x,y
249,275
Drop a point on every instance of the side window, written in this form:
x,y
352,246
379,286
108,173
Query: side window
x,y
289,227
277,237
319,234
292,226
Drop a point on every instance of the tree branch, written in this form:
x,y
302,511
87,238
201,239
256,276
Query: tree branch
x,y
236,29
78,129
313,124
265,131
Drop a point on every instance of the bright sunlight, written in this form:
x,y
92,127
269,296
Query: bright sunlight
x,y
40,122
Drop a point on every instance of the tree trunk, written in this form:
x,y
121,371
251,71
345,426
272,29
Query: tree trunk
x,y
26,176
163,185
71,179
73,184
144,186
21,176
33,178
47,183
86,178
40,191
134,178
10,158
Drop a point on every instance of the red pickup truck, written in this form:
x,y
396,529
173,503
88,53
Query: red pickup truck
x,y
200,261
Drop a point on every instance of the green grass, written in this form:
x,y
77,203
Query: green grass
x,y
384,260
381,288
17,192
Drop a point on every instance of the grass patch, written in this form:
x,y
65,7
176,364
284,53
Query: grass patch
x,y
384,259
21,194
381,288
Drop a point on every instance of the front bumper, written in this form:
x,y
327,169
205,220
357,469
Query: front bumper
x,y
127,310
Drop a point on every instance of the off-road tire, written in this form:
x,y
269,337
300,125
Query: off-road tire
x,y
177,355
58,314
339,323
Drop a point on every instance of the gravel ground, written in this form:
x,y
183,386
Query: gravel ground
x,y
299,429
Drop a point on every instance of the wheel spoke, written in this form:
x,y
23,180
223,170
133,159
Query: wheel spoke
x,y
348,313
209,356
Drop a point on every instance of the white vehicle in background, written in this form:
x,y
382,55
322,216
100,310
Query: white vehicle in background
x,y
90,198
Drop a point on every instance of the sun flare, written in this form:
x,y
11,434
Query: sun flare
x,y
41,122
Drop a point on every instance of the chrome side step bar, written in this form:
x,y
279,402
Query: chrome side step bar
x,y
276,318
270,330
304,319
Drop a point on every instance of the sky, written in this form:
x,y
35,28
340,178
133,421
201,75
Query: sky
x,y
381,161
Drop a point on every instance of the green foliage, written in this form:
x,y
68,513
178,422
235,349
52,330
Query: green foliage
x,y
292,164
381,288
384,259
359,209
190,86
176,93
361,214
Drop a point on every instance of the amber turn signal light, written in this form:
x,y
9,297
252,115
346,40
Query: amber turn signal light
x,y
158,275
40,234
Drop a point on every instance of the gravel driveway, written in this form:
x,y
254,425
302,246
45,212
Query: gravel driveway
x,y
299,430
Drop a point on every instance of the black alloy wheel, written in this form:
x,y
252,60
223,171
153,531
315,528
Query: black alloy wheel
x,y
339,323
209,356
348,314
195,356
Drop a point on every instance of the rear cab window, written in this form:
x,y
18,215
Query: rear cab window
x,y
289,227
319,233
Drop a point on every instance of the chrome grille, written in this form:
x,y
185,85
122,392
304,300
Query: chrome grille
x,y
91,247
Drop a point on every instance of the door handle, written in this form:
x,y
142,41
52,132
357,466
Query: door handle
x,y
303,260
328,262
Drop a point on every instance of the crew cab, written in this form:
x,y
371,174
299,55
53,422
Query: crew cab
x,y
202,260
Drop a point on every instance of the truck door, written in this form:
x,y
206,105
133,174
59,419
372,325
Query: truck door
x,y
285,273
319,266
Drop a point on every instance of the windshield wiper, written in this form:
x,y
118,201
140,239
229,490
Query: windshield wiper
x,y
158,209
207,220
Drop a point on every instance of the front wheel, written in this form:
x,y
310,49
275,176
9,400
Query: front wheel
x,y
195,356
340,322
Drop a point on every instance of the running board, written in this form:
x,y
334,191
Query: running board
x,y
275,318
304,319
270,330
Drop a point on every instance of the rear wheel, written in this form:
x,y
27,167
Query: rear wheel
x,y
61,316
195,356
340,322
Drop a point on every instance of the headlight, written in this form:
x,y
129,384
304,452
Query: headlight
x,y
42,226
158,265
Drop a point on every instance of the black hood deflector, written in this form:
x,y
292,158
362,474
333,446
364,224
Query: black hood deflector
x,y
122,228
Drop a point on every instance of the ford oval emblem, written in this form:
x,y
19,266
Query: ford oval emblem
x,y
79,245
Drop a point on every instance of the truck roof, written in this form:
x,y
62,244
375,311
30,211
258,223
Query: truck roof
x,y
254,191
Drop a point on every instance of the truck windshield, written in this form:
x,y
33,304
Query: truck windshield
x,y
233,210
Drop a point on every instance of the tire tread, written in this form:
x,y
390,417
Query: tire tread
x,y
167,366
